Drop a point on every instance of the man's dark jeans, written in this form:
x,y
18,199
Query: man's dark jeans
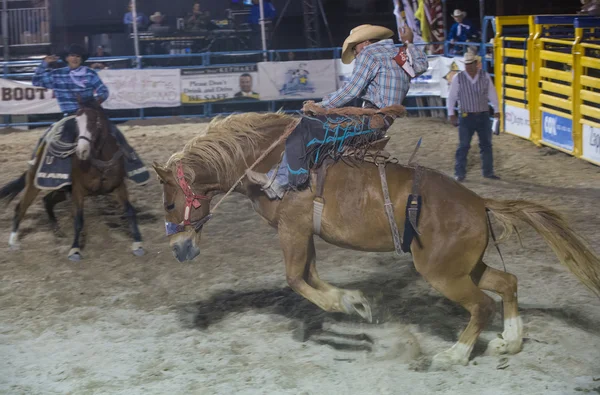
x,y
480,123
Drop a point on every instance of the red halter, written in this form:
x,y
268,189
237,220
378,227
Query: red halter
x,y
191,199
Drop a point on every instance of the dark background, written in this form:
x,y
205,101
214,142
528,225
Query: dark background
x,y
72,20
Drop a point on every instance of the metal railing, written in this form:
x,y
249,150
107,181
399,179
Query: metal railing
x,y
28,26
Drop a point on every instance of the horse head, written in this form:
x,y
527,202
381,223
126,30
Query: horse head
x,y
92,124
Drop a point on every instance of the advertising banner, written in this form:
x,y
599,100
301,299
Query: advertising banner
x,y
135,88
17,98
296,80
516,121
591,144
557,131
214,84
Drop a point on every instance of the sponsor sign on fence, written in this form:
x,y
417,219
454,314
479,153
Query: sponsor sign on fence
x,y
296,80
591,144
129,89
516,121
213,84
24,98
557,131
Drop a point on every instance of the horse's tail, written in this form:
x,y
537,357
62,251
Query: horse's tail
x,y
13,188
570,247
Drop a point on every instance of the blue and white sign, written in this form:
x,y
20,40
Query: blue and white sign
x,y
557,131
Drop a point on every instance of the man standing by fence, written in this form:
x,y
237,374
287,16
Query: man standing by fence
x,y
473,88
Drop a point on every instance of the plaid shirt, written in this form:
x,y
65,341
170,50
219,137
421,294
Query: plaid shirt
x,y
377,77
65,89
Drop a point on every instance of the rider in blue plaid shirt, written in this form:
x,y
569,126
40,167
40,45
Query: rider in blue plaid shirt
x,y
71,82
381,78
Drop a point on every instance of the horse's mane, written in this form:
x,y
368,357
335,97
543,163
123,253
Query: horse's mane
x,y
227,141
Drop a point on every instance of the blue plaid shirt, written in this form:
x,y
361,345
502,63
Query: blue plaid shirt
x,y
377,77
66,90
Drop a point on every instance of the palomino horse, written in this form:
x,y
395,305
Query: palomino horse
x,y
453,225
97,169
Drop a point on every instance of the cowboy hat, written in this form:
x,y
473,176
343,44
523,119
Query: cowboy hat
x,y
75,49
458,13
157,16
470,58
362,33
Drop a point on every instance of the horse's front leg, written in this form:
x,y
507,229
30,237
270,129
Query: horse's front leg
x,y
78,196
299,255
123,198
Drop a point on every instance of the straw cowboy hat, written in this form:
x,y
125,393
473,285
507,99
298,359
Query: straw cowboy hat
x,y
362,33
470,58
157,17
457,13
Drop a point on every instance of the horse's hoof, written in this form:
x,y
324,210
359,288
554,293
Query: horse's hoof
x,y
356,303
448,359
75,255
137,249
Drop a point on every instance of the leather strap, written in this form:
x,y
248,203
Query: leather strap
x,y
389,209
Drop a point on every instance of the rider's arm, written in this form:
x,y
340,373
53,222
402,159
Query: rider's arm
x,y
418,58
100,90
364,71
452,96
43,76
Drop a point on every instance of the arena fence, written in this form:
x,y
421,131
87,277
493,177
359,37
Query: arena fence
x,y
549,72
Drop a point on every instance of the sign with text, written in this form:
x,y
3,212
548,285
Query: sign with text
x,y
213,84
311,79
23,98
591,144
516,121
557,131
137,88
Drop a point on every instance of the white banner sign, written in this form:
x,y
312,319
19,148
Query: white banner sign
x,y
516,121
296,80
219,83
24,98
591,144
137,88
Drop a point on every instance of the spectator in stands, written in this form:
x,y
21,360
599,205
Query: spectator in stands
x,y
246,88
461,30
473,88
100,53
198,19
142,19
156,26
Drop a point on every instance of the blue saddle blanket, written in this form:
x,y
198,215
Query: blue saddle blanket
x,y
54,172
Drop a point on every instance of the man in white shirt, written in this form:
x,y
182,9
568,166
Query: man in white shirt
x,y
473,88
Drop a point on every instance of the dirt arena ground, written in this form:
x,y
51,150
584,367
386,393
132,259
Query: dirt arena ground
x,y
226,323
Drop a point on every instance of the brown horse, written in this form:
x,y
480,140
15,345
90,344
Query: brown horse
x,y
97,169
453,225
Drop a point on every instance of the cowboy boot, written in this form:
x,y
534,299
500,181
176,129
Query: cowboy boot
x,y
271,187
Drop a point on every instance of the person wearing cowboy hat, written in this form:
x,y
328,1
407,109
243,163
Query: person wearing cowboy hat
x,y
72,81
378,77
473,89
73,84
381,78
461,30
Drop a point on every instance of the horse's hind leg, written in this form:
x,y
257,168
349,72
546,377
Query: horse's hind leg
x,y
27,198
505,285
462,290
123,198
51,200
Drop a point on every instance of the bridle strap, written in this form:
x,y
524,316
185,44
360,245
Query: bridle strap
x,y
191,199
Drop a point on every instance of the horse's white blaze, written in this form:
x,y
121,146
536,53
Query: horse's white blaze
x,y
13,239
513,330
83,145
